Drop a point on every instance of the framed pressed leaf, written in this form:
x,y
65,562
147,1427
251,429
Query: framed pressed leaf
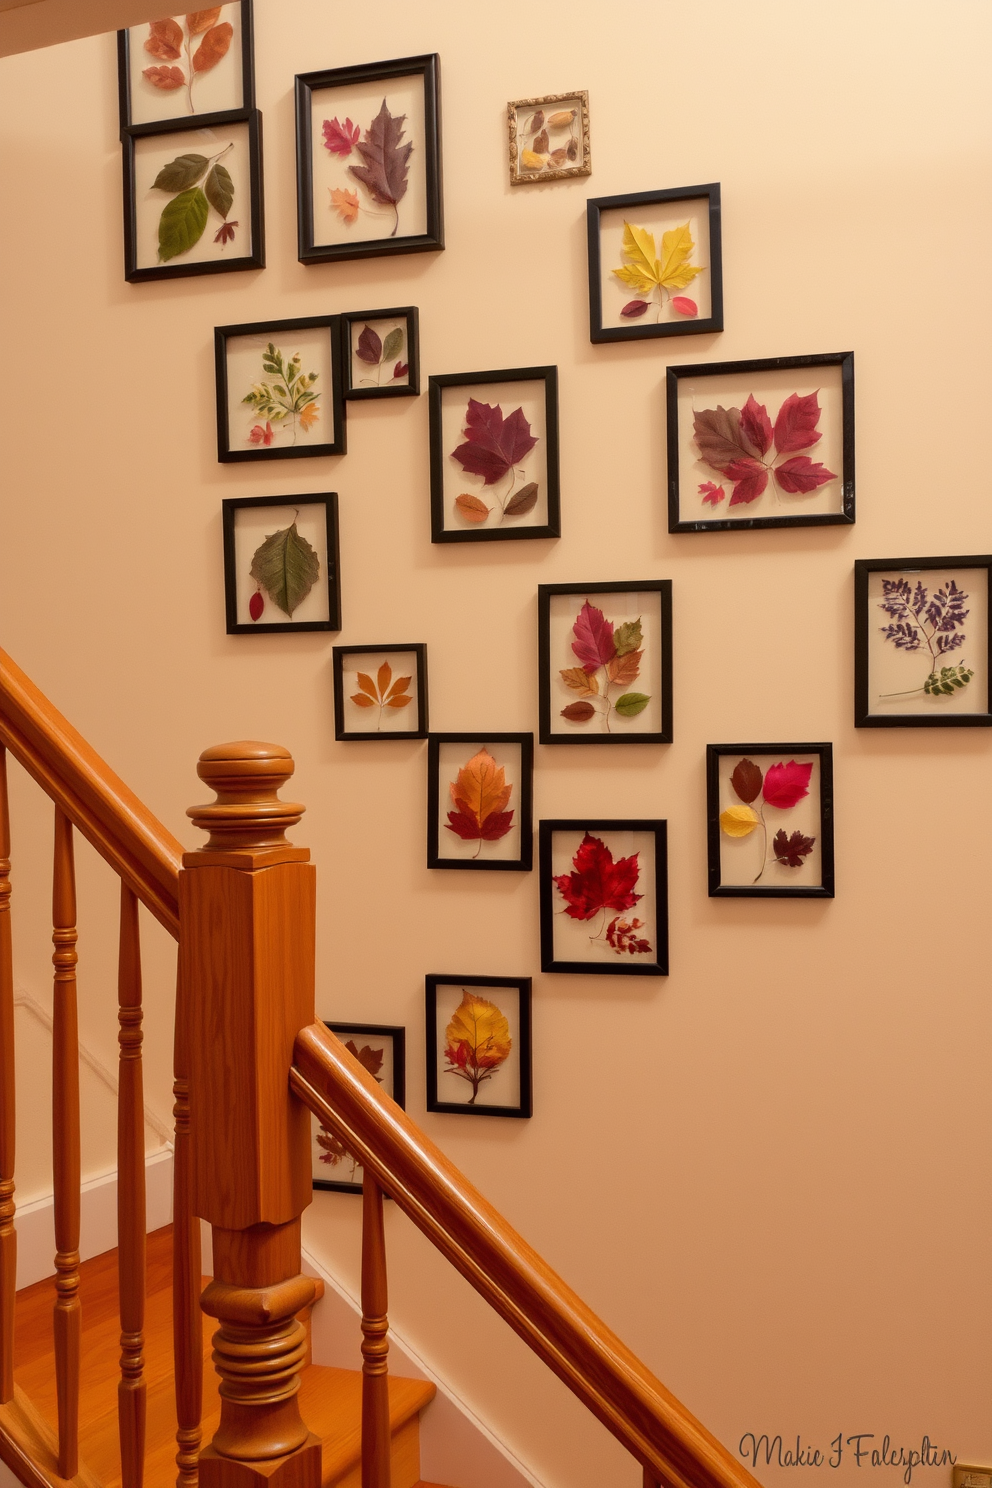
x,y
922,642
193,198
479,1045
605,662
380,692
655,264
549,137
770,821
764,443
195,64
381,1051
280,392
494,455
479,801
380,353
281,564
604,897
368,160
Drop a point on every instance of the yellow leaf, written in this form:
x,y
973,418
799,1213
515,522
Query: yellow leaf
x,y
479,1023
638,246
345,202
676,248
738,821
308,416
530,161
577,679
635,279
481,787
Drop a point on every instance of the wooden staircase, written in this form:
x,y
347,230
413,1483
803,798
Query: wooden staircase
x,y
330,1399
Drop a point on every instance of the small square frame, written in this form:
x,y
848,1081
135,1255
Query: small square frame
x,y
173,270
218,116
623,966
344,1031
525,1108
231,506
842,359
663,588
335,403
638,330
342,735
863,716
524,805
825,888
519,177
436,386
411,388
428,67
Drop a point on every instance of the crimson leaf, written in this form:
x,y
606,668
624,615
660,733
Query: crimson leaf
x,y
756,426
749,478
795,427
385,168
493,445
597,882
799,475
369,347
791,850
594,642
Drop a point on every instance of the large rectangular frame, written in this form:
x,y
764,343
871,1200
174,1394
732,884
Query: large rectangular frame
x,y
717,890
220,116
525,861
222,334
231,506
378,1030
523,986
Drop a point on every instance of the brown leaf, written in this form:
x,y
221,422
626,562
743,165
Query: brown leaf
x,y
558,157
746,780
384,677
472,509
541,143
402,684
579,712
572,149
202,20
165,40
213,47
399,702
367,685
562,119
369,1058
535,122
362,701
624,669
577,679
524,501
165,78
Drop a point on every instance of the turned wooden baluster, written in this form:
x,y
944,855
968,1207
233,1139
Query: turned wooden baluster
x,y
187,1328
8,1236
246,946
131,1199
65,1133
375,1347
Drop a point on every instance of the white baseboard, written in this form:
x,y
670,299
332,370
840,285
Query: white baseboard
x,y
35,1223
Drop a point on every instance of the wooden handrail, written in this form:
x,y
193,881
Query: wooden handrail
x,y
612,1382
97,802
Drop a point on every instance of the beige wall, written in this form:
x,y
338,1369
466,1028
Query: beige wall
x,y
769,1172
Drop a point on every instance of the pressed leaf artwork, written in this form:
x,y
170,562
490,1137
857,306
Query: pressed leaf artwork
x,y
480,796
383,355
382,692
781,787
382,173
477,1042
601,890
333,1152
493,449
610,662
750,451
285,398
196,184
928,623
658,274
285,568
549,140
184,50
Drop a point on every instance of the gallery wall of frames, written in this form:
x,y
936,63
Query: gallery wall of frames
x,y
603,542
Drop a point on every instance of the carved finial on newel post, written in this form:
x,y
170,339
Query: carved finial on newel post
x,y
246,917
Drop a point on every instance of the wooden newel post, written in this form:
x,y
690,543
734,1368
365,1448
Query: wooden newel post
x,y
247,920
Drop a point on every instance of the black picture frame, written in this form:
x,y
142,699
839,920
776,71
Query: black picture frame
x,y
432,239
825,834
524,860
411,388
254,259
929,716
638,330
218,116
548,732
523,1041
762,366
345,735
335,403
436,387
625,964
356,1031
231,506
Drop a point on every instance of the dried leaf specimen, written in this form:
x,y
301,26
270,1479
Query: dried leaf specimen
x,y
171,43
782,786
549,141
286,567
494,448
477,1041
598,884
375,352
737,442
480,795
333,1150
184,219
384,692
611,657
648,273
286,398
930,623
384,173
